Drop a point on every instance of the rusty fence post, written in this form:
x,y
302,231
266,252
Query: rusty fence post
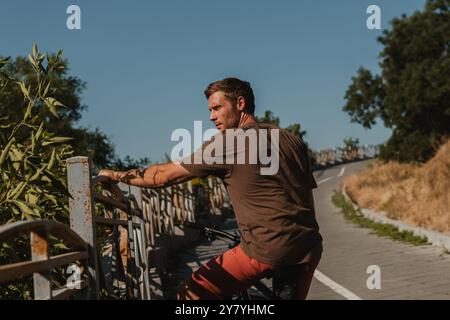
x,y
81,214
42,282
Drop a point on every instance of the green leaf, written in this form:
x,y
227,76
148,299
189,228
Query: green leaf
x,y
4,61
15,210
6,150
33,62
11,193
38,173
23,206
46,89
39,131
52,160
16,165
31,198
61,246
52,198
37,209
25,91
29,107
56,140
50,103
54,102
33,141
35,50
16,155
19,193
5,126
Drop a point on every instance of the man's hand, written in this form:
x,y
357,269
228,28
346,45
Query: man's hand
x,y
105,176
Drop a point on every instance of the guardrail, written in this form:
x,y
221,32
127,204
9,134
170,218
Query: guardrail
x,y
339,155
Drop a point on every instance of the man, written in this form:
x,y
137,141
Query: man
x,y
274,211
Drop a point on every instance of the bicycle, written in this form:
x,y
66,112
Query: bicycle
x,y
280,278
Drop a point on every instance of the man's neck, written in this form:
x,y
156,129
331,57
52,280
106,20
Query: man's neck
x,y
246,119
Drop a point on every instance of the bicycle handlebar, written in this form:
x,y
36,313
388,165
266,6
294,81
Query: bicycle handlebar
x,y
212,233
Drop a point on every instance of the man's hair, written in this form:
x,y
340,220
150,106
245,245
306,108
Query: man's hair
x,y
234,88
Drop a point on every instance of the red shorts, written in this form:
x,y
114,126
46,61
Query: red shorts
x,y
234,271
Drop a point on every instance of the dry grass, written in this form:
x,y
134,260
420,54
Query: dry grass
x,y
416,194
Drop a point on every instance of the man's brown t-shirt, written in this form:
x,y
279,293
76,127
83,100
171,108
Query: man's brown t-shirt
x,y
275,211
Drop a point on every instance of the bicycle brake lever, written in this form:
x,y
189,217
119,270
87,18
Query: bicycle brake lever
x,y
208,235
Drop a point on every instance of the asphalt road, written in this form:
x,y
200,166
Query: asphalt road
x,y
406,271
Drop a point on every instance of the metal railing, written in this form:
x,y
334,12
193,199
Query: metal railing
x,y
42,264
339,155
112,231
132,218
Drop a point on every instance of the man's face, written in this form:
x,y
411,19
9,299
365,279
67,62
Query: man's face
x,y
224,114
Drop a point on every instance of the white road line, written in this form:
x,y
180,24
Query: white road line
x,y
336,287
324,180
329,178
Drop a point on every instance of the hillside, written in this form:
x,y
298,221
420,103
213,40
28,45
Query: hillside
x,y
417,194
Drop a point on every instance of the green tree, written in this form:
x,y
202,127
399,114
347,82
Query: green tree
x,y
128,163
411,95
32,166
351,143
66,89
270,118
295,128
32,162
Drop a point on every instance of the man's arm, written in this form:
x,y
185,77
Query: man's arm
x,y
154,176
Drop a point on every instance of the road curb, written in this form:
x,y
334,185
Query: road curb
x,y
437,239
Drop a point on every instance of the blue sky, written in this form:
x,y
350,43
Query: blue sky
x,y
147,63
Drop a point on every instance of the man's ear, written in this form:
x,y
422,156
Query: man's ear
x,y
241,103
